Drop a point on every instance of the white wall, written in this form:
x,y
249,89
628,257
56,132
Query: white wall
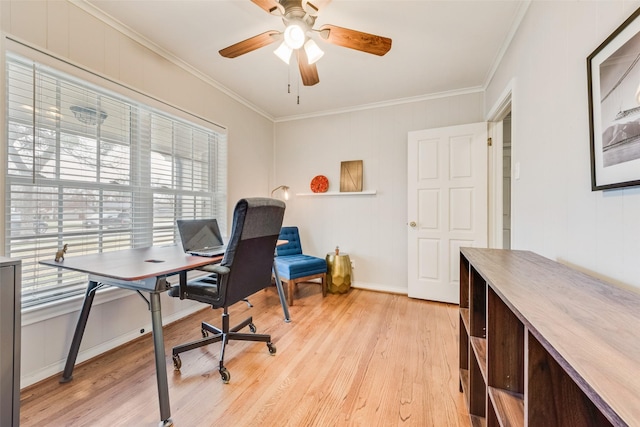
x,y
70,33
371,228
555,213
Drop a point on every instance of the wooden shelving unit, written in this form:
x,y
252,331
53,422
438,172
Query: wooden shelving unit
x,y
544,345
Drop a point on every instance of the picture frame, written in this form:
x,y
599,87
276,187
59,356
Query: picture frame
x,y
613,77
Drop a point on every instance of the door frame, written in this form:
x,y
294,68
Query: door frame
x,y
497,114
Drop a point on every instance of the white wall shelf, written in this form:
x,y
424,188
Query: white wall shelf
x,y
343,193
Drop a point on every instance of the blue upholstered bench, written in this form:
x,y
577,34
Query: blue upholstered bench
x,y
294,267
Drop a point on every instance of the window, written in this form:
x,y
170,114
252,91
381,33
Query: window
x,y
99,172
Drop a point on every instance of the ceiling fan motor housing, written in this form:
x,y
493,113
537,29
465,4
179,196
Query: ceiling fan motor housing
x,y
294,14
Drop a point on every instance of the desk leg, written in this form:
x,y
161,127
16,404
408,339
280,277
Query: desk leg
x,y
283,300
161,368
67,374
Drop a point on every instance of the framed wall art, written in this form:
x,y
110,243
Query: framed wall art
x,y
613,72
351,176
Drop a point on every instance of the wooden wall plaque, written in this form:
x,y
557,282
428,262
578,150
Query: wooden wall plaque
x,y
351,176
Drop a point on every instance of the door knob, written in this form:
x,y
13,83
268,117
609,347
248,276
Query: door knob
x,y
412,224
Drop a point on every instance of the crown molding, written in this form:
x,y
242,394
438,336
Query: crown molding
x,y
382,104
127,31
520,14
139,38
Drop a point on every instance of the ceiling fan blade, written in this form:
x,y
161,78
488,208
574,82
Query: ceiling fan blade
x,y
317,4
309,73
365,42
250,44
268,6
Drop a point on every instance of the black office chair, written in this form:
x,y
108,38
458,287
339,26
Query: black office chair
x,y
245,269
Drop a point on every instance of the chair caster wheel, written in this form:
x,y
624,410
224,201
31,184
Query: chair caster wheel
x,y
225,375
177,363
272,348
252,328
205,333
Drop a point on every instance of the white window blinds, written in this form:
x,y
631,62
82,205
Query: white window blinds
x,y
99,172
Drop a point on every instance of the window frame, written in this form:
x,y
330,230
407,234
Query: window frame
x,y
140,234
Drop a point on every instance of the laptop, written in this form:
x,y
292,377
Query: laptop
x,y
201,237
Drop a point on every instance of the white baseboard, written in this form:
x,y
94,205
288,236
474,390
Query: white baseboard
x,y
378,287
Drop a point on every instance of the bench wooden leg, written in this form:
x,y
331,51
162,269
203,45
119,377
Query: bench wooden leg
x,y
292,283
290,289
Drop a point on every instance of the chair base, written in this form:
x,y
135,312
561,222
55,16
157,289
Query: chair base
x,y
223,335
292,283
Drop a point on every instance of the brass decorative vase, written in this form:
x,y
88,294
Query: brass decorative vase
x,y
338,273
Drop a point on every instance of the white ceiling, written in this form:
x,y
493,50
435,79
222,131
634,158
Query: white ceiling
x,y
439,47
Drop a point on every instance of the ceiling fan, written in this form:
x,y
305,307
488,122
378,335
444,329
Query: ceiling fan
x,y
299,17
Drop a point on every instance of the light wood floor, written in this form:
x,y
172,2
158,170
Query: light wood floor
x,y
359,359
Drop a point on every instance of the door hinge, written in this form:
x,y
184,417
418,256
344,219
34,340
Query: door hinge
x,y
489,142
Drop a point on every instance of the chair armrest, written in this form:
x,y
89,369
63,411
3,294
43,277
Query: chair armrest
x,y
220,272
218,269
222,278
209,267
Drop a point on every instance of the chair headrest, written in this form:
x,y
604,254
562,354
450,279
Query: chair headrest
x,y
254,218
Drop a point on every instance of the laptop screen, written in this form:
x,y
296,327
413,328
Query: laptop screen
x,y
199,234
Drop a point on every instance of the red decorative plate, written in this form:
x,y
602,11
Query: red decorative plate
x,y
319,184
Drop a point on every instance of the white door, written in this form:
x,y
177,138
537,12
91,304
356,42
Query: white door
x,y
447,206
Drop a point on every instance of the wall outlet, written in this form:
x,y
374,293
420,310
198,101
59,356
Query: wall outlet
x,y
353,264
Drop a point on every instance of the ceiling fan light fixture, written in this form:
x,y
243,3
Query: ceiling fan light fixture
x,y
284,52
88,115
294,36
313,51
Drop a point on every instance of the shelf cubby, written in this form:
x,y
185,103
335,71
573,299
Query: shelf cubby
x,y
464,283
505,349
478,304
547,407
464,328
477,389
464,350
507,406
